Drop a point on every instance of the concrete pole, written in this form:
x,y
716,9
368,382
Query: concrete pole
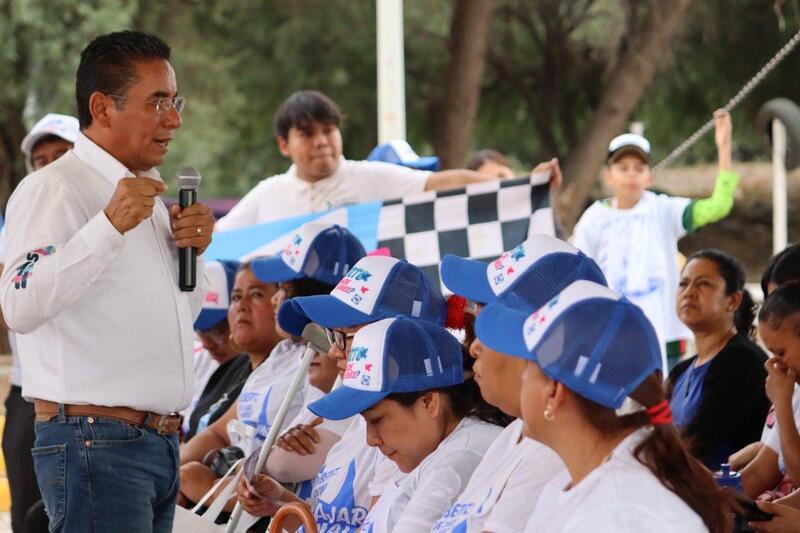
x,y
779,206
391,71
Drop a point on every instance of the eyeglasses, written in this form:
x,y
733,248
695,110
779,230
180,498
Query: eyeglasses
x,y
162,103
338,337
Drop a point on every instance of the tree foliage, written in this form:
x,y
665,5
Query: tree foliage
x,y
548,67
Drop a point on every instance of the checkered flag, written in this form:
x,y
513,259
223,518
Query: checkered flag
x,y
479,222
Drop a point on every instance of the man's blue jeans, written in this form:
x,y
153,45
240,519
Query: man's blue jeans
x,y
99,474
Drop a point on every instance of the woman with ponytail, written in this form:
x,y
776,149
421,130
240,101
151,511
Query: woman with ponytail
x,y
717,396
591,391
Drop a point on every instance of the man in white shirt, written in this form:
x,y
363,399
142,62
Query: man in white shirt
x,y
91,286
49,139
307,131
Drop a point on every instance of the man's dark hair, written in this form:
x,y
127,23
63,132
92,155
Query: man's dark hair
x,y
108,66
302,109
482,156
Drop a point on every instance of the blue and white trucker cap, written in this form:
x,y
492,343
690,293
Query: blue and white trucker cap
x,y
220,275
401,153
318,250
590,338
525,277
376,287
393,355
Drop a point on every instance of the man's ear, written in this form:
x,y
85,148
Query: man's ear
x,y
283,145
650,178
100,107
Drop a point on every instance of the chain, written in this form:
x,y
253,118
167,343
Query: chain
x,y
747,89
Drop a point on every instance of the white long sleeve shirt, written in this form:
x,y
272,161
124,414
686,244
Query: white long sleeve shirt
x,y
287,195
101,318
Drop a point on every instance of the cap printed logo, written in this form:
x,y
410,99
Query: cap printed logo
x,y
505,270
291,251
536,324
212,297
357,353
362,285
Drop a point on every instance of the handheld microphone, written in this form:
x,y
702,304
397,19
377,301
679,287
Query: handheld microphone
x,y
188,181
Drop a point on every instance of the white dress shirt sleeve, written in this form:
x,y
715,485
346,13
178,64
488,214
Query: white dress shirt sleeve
x,y
53,253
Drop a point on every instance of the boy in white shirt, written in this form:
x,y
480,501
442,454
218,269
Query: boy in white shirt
x,y
634,234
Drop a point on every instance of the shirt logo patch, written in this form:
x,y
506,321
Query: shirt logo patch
x,y
25,270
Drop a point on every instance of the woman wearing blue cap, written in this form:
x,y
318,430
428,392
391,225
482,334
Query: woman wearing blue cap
x,y
592,391
352,474
406,378
312,260
504,488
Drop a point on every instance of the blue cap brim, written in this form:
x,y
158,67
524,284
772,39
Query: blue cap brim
x,y
501,329
273,270
330,312
467,278
345,402
291,318
424,163
208,318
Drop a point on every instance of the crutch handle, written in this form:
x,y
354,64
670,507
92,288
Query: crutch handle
x,y
298,510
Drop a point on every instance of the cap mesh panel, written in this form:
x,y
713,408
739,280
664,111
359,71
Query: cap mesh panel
x,y
547,277
567,351
407,285
421,356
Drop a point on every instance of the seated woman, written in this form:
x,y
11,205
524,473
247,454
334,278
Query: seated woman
x,y
312,259
592,391
504,488
353,474
406,378
782,268
717,396
222,387
779,459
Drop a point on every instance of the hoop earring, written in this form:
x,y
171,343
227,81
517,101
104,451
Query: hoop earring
x,y
549,415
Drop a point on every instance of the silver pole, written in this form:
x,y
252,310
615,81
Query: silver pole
x,y
272,436
779,205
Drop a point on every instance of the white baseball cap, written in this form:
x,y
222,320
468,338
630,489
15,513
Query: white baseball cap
x,y
628,142
63,126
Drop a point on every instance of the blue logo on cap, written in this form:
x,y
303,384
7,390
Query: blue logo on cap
x,y
357,353
517,253
359,274
297,240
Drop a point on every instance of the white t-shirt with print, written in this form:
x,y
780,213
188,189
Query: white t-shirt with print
x,y
340,495
328,430
415,501
773,439
287,195
619,496
264,391
637,249
505,486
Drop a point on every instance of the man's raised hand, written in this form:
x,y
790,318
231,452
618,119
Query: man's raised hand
x,y
132,202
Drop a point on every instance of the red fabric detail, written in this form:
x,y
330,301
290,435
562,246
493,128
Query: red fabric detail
x,y
660,413
455,312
